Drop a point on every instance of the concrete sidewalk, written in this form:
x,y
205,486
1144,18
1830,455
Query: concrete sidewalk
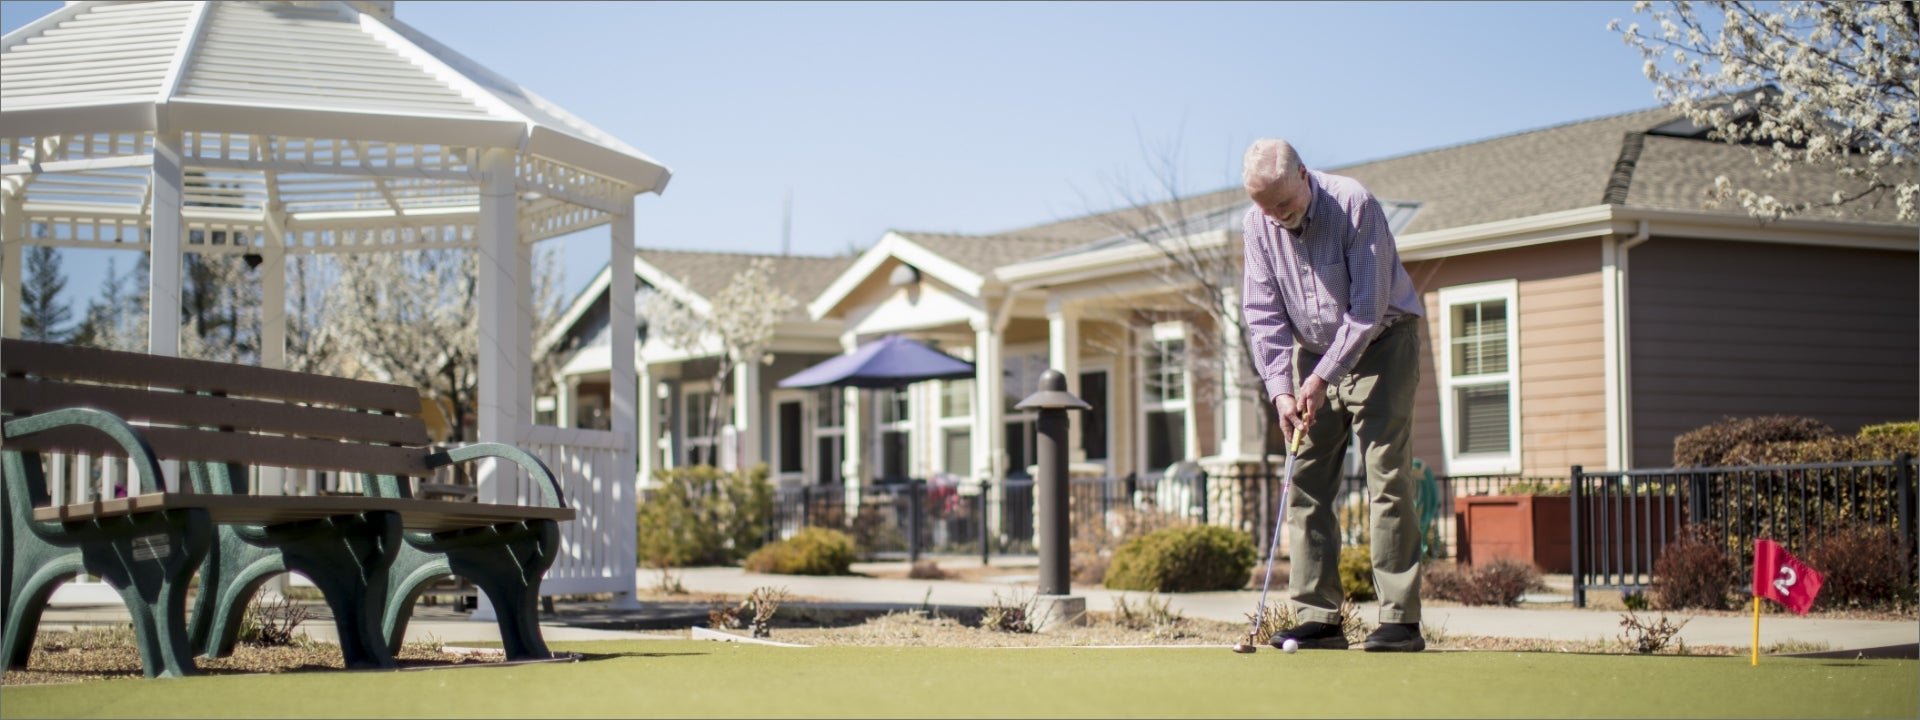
x,y
578,621
1521,622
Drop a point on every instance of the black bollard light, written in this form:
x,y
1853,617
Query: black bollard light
x,y
1053,401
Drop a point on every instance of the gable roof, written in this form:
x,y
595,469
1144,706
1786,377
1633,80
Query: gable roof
x,y
707,273
329,69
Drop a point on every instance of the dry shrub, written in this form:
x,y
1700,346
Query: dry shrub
x,y
1863,567
927,570
1693,572
812,551
1649,638
1189,558
1501,581
1709,446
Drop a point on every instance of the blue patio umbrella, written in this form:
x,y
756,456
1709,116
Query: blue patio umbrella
x,y
890,362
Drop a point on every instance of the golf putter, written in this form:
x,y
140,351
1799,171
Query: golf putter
x,y
1273,543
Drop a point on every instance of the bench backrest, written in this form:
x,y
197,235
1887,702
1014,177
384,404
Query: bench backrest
x,y
198,410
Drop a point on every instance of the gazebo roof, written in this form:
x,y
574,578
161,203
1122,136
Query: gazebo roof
x,y
331,110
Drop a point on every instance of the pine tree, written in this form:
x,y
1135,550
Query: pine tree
x,y
42,316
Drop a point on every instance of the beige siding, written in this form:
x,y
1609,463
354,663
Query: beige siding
x,y
1561,361
1739,329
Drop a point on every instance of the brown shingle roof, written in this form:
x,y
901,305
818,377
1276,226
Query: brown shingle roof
x,y
983,253
707,273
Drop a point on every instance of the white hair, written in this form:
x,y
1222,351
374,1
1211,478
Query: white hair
x,y
1268,160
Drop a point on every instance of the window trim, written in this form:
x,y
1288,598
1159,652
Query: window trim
x,y
1148,402
944,424
689,415
1479,463
805,399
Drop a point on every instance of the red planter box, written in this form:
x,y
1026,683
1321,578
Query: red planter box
x,y
1528,528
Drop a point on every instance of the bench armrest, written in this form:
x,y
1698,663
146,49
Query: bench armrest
x,y
136,447
541,475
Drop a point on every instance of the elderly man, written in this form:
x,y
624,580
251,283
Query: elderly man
x,y
1328,303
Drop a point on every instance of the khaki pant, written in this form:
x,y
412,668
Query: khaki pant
x,y
1374,403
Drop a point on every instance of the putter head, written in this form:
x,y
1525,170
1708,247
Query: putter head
x,y
1244,648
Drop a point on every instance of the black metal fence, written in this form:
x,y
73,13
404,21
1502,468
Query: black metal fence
x,y
1622,521
908,519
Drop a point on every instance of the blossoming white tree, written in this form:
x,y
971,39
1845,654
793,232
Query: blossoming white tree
x,y
1828,86
741,323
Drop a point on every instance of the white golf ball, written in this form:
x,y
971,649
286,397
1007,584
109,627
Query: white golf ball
x,y
1291,646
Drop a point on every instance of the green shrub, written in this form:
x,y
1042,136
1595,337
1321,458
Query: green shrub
x,y
1862,567
1183,559
1356,572
1708,446
700,516
1909,429
812,551
1693,572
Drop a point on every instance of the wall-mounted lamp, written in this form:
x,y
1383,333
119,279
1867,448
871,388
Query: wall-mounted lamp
x,y
253,260
904,276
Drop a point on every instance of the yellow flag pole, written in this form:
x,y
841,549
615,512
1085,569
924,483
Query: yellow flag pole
x,y
1756,631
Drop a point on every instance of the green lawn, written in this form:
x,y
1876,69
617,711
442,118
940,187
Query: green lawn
x,y
684,678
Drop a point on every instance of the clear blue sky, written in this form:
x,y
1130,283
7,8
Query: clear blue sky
x,y
982,117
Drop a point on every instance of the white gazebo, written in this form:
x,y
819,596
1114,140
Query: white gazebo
x,y
279,128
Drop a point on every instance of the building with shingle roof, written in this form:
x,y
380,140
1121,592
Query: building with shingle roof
x,y
675,383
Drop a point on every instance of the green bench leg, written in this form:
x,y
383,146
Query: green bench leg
x,y
347,558
148,558
506,561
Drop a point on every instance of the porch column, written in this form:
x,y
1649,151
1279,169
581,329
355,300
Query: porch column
x,y
648,441
854,436
1240,437
568,398
13,241
748,421
989,410
1063,354
501,362
622,332
273,328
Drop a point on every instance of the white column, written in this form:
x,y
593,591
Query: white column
x,y
501,362
853,443
523,329
989,448
747,417
13,239
1063,354
165,238
568,399
273,333
1240,434
648,440
621,406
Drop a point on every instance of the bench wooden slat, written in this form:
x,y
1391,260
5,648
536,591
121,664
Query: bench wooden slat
x,y
264,450
71,362
419,515
21,396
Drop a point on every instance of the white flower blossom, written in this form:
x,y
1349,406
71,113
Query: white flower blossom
x,y
1833,85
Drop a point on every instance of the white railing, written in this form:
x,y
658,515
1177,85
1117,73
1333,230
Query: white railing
x,y
597,552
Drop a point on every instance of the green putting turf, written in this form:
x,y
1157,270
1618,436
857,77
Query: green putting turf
x,y
684,678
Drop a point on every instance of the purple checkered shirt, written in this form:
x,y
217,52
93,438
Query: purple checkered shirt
x,y
1334,287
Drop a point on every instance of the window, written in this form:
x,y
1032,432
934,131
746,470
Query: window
x,y
893,419
1479,398
829,435
790,433
1022,426
1093,422
1164,402
698,424
956,428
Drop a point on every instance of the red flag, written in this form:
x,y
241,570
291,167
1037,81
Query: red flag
x,y
1781,577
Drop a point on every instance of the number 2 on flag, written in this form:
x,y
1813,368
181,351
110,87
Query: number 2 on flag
x,y
1785,582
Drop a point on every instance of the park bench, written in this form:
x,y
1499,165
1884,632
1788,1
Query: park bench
x,y
370,555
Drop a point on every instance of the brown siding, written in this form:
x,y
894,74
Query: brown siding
x,y
1562,386
1722,328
